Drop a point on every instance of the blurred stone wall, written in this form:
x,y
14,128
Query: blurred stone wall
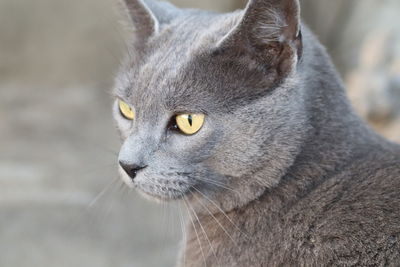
x,y
363,37
59,43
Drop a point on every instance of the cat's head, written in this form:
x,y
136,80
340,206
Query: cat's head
x,y
209,105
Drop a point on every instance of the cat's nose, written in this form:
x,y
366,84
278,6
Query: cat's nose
x,y
131,169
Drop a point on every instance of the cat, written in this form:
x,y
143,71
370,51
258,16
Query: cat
x,y
242,119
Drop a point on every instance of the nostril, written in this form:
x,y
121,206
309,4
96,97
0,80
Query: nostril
x,y
131,169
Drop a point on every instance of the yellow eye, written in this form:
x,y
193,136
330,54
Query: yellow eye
x,y
126,110
190,123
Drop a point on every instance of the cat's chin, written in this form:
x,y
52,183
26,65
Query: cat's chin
x,y
169,195
161,193
157,189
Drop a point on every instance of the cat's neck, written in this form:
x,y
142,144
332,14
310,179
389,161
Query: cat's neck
x,y
337,135
336,138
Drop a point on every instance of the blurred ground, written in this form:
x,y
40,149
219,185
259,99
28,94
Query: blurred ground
x,y
58,144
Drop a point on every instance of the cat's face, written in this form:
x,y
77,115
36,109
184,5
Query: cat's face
x,y
200,116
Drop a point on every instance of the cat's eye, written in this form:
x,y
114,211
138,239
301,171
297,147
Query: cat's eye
x,y
190,124
126,110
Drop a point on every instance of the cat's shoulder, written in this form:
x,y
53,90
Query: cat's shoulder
x,y
367,190
353,217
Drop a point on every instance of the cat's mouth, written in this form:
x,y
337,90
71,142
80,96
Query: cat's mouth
x,y
163,193
153,186
160,189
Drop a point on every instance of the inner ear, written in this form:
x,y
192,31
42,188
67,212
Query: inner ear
x,y
269,31
148,16
144,21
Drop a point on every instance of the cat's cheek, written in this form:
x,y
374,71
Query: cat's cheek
x,y
195,147
124,128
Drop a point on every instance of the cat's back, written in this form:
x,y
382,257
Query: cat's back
x,y
353,218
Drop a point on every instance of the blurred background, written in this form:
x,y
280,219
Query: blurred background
x,y
61,203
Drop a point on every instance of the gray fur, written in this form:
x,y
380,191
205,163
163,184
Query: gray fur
x,y
302,178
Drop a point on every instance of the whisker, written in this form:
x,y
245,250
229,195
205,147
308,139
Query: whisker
x,y
122,187
222,211
195,229
103,192
217,184
212,215
205,233
182,221
102,213
164,225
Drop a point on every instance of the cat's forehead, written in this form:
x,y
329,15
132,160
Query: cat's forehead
x,y
166,72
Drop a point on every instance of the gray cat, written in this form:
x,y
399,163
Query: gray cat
x,y
242,118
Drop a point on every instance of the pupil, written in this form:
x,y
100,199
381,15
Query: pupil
x,y
190,119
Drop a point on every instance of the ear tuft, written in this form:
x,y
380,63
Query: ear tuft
x,y
143,19
148,16
270,28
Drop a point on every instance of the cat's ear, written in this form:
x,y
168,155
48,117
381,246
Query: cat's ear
x,y
148,16
270,30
